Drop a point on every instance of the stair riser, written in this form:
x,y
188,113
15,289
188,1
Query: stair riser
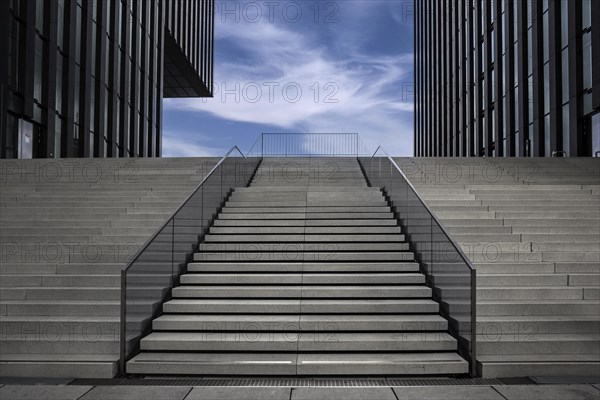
x,y
66,346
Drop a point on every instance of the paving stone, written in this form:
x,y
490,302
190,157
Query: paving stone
x,y
548,392
447,393
239,393
353,393
42,392
137,392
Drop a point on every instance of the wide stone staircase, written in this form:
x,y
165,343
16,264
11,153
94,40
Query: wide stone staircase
x,y
304,272
532,229
67,229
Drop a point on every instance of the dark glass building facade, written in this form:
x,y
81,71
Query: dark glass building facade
x,y
86,78
507,78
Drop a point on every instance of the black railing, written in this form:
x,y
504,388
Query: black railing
x,y
147,280
308,145
447,269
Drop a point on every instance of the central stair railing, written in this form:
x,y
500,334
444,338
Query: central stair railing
x,y
147,280
448,271
308,145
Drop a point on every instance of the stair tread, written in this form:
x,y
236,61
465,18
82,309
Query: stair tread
x,y
537,358
275,336
57,357
251,358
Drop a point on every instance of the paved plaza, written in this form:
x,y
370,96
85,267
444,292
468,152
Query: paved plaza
x,y
126,392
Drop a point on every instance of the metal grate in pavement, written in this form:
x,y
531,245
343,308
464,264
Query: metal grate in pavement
x,y
288,382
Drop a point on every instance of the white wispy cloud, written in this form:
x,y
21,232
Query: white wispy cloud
x,y
178,145
353,92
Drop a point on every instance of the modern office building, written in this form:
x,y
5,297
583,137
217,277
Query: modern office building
x,y
86,78
507,78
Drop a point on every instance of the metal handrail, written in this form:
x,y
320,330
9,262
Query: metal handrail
x,y
149,241
472,269
254,145
458,249
124,270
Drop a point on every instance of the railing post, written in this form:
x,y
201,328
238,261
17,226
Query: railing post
x,y
473,364
123,325
173,250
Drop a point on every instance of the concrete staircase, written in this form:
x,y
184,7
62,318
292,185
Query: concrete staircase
x,y
305,272
67,229
532,228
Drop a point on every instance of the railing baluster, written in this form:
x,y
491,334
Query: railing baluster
x,y
309,144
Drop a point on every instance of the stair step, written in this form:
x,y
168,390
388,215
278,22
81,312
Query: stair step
x,y
259,230
306,237
281,323
276,364
52,365
305,267
515,326
308,209
327,254
527,343
306,279
301,342
314,247
307,223
295,306
300,291
308,215
60,343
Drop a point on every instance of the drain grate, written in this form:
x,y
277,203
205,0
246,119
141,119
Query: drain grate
x,y
443,382
289,382
262,382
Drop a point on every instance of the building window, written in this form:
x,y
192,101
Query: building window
x,y
57,136
586,14
38,69
76,91
586,41
60,23
565,75
565,129
39,16
59,75
564,23
78,33
546,88
546,36
92,97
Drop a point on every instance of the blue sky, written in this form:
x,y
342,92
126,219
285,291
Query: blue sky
x,y
302,66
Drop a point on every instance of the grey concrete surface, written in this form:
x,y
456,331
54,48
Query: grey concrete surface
x,y
138,392
447,393
454,392
549,392
379,393
42,392
67,228
239,393
517,219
